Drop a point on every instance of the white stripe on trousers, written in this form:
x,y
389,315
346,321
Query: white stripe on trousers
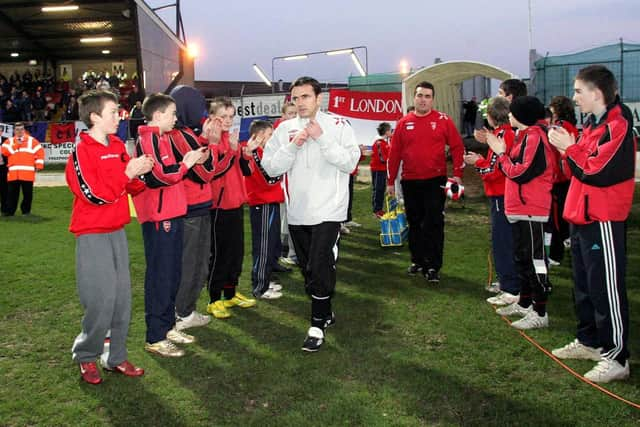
x,y
611,284
264,248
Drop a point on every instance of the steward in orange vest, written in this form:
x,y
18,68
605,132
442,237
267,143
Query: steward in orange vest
x,y
24,156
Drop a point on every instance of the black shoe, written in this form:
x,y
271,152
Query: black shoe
x,y
314,340
277,268
414,269
330,320
432,276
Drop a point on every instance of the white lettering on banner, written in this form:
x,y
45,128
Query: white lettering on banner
x,y
266,105
57,153
374,106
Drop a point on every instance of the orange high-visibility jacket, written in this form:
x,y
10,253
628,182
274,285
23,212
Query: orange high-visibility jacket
x,y
25,156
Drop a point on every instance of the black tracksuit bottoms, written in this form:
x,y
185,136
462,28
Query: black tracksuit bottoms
x,y
227,252
317,250
600,295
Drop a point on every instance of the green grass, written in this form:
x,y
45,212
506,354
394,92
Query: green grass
x,y
403,353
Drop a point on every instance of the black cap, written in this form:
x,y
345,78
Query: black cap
x,y
528,110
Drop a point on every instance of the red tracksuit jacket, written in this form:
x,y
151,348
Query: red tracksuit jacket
x,y
262,188
165,197
493,178
529,171
379,156
602,165
420,143
95,175
227,188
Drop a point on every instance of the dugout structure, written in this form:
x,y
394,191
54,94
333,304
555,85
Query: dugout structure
x,y
554,75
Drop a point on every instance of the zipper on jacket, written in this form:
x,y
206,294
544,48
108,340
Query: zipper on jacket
x,y
220,197
160,200
586,208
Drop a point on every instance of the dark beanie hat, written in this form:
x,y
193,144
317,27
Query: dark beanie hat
x,y
527,110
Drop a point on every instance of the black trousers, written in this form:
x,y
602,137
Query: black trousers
x,y
227,252
13,194
266,245
531,263
351,180
317,250
3,187
559,227
424,203
600,295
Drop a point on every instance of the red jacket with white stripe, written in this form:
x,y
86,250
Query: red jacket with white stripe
x,y
197,183
25,156
262,188
95,175
602,165
227,188
165,197
419,142
493,178
379,155
529,171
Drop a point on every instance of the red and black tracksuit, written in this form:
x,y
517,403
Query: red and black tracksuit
x,y
160,209
493,180
602,165
419,142
227,220
528,167
264,194
557,225
378,166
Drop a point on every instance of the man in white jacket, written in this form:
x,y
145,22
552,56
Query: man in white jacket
x,y
316,152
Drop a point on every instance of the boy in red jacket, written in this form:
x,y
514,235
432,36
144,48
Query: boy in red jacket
x,y
100,174
602,164
265,195
494,184
227,222
528,167
160,210
378,166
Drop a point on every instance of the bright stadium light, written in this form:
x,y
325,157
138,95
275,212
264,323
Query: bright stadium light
x,y
67,8
96,39
14,54
106,52
404,67
295,57
339,52
262,75
358,64
193,50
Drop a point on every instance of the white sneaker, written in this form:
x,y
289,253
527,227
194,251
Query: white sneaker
x,y
353,224
274,286
344,229
567,243
179,337
514,309
271,294
193,320
608,370
494,287
576,350
532,321
553,263
503,298
288,261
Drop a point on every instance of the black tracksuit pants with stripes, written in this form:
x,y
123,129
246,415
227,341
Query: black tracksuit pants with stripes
x,y
227,252
530,264
600,295
317,250
266,246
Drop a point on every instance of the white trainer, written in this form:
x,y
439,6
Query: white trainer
x,y
353,224
503,298
274,286
553,263
271,294
608,370
493,287
532,321
577,350
179,337
193,320
514,309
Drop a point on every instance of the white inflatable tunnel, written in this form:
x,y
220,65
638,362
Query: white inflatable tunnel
x,y
446,78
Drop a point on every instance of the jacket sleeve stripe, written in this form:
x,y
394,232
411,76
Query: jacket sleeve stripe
x,y
86,190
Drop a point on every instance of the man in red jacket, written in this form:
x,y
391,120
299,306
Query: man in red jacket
x,y
602,164
100,174
419,142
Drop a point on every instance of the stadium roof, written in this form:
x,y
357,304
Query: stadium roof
x,y
32,33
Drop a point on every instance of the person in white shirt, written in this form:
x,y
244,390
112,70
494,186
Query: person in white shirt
x,y
316,152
